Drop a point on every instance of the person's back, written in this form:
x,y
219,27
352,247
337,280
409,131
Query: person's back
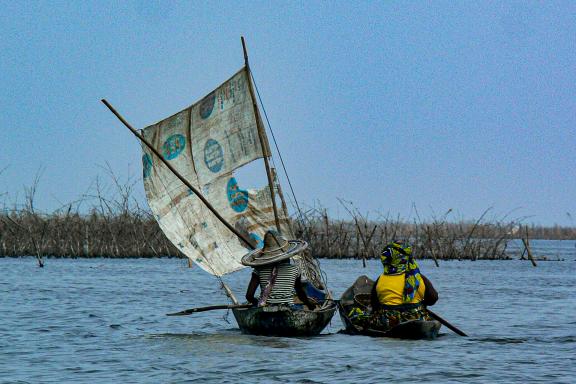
x,y
283,289
277,278
390,290
401,293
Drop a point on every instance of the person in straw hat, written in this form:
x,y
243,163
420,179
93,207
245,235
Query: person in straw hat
x,y
277,278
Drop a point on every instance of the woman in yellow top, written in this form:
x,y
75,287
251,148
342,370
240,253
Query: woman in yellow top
x,y
401,293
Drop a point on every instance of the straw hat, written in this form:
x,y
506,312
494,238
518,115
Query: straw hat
x,y
276,248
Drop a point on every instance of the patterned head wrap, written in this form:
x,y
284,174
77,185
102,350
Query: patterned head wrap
x,y
397,258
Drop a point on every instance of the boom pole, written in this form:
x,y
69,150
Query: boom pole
x,y
179,176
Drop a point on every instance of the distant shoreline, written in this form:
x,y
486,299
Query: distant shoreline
x,y
134,232
184,258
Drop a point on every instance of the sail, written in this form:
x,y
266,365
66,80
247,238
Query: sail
x,y
206,143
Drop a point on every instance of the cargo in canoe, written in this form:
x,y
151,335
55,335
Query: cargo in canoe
x,y
358,295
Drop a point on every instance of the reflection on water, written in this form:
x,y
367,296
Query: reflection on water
x,y
87,321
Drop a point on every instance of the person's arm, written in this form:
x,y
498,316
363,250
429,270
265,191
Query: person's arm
x,y
430,294
252,286
302,294
374,296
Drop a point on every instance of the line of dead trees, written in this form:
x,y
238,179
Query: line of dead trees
x,y
109,222
439,239
111,232
115,225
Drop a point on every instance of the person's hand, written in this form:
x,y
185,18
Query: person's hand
x,y
311,304
253,302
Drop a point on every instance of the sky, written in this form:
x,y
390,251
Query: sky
x,y
403,108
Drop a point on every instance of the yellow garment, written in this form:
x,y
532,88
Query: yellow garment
x,y
391,287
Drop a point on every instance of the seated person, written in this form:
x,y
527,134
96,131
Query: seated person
x,y
401,293
277,278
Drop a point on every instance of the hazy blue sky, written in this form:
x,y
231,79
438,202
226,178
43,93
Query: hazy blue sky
x,y
459,104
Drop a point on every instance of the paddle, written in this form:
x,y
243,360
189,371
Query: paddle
x,y
447,324
209,308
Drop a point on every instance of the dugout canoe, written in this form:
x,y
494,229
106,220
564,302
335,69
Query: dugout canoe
x,y
359,295
281,320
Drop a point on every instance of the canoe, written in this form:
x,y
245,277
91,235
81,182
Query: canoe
x,y
284,320
358,295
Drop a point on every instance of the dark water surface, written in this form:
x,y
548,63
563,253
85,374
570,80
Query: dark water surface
x,y
102,321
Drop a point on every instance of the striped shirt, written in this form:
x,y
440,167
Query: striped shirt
x,y
283,289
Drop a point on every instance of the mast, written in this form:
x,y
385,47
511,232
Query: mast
x,y
263,139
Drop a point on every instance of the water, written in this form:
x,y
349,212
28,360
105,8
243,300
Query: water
x,y
545,249
102,320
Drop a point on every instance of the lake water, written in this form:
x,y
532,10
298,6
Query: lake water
x,y
102,321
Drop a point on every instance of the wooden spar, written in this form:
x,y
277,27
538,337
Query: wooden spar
x,y
229,292
262,136
192,188
182,179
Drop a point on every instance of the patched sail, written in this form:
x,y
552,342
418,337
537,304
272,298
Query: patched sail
x,y
205,143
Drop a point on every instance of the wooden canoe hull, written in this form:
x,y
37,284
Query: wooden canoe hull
x,y
283,320
413,329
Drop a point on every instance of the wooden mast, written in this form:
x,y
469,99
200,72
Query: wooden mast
x,y
263,139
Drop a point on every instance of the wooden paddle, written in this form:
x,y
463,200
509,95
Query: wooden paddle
x,y
447,324
209,308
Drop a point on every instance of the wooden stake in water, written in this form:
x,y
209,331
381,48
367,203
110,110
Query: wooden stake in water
x,y
527,248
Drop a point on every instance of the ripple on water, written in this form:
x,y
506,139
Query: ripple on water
x,y
500,340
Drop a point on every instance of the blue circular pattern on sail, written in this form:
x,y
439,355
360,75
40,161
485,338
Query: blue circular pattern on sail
x,y
213,155
257,239
146,165
207,106
173,146
237,198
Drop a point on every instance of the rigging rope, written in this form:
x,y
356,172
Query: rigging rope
x,y
311,264
276,145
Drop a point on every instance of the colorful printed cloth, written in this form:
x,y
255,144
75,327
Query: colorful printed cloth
x,y
397,258
385,318
358,316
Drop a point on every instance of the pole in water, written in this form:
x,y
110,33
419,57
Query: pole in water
x,y
527,248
